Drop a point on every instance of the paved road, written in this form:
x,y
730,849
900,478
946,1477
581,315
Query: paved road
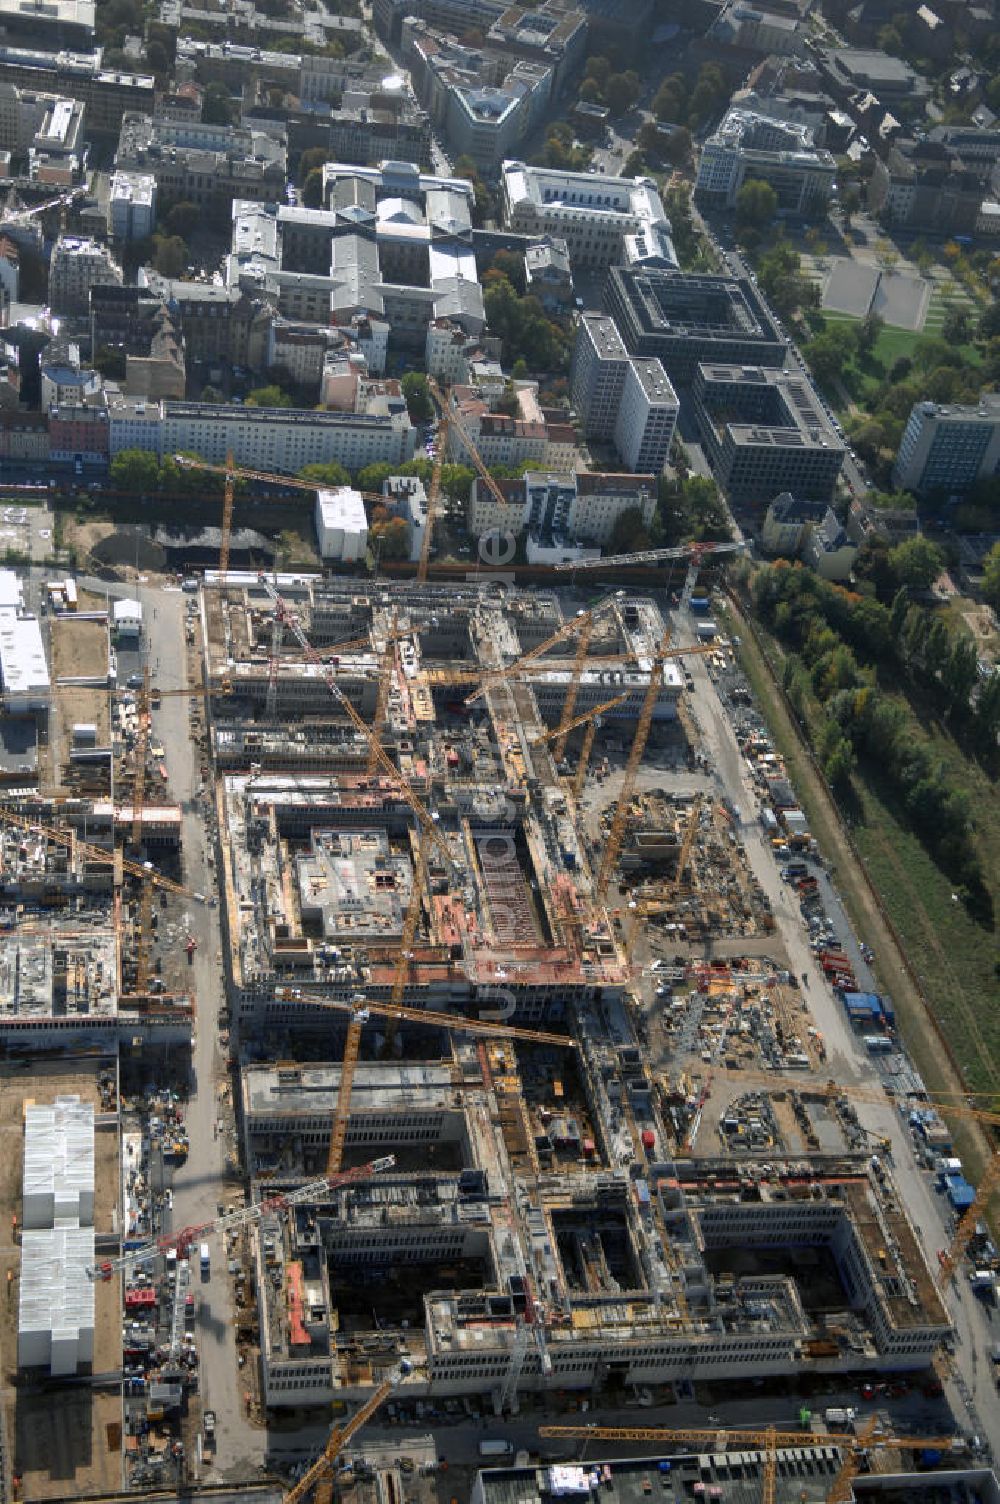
x,y
198,1185
979,1407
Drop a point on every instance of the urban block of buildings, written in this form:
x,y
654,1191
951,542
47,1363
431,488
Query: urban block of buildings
x,y
603,220
765,432
687,318
205,165
783,154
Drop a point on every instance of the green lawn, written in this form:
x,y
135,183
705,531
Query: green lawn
x,y
863,380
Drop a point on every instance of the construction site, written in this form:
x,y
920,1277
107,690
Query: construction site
x,y
447,953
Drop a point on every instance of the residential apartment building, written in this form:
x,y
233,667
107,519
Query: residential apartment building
x,y
945,449
584,506
624,400
263,438
500,438
783,154
686,318
106,95
80,431
208,166
765,432
224,323
379,125
483,106
22,115
24,436
595,215
927,185
78,264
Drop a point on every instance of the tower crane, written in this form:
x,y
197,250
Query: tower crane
x,y
231,472
769,1441
451,416
684,855
455,1021
14,216
565,727
578,623
616,835
385,764
319,1476
696,552
409,935
433,498
242,1216
68,838
384,691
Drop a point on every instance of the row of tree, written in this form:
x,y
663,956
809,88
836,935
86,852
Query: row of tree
x,y
851,654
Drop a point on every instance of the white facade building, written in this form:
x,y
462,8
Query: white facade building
x,y
132,206
55,1319
341,525
778,152
24,674
593,214
58,1162
647,415
265,438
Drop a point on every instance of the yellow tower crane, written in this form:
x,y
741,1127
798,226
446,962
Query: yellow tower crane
x,y
318,1479
769,1441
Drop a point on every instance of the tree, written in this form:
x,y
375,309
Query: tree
x,y
826,355
670,103
917,562
217,105
418,397
135,470
956,325
991,577
268,396
678,147
110,363
756,203
850,203
312,158
392,539
510,264
170,255
182,219
599,69
629,533
211,394
312,189
989,322
330,473
868,331
621,92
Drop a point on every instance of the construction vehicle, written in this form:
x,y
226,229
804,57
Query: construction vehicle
x,y
190,946
768,1441
319,1477
243,1216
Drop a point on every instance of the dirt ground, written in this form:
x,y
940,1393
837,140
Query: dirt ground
x,y
78,648
59,1437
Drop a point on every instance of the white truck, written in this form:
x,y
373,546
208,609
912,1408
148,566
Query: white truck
x,y
496,1447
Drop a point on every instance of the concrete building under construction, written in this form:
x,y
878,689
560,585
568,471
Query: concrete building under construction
x,y
543,1226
